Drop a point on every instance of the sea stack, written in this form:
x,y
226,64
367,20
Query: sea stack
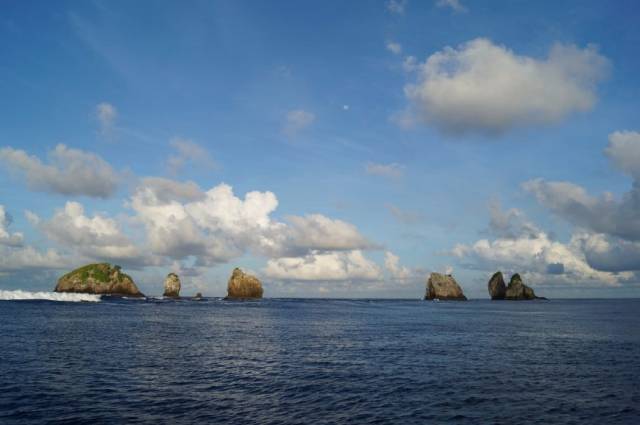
x,y
101,279
172,286
497,287
517,290
443,287
242,285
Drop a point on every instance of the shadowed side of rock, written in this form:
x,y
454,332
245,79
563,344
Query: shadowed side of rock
x,y
497,287
517,290
443,287
243,285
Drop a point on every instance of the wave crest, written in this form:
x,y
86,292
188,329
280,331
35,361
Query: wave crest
x,y
51,296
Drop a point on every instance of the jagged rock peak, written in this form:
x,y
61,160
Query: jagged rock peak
x,y
497,287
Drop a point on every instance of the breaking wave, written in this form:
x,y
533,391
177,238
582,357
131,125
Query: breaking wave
x,y
51,296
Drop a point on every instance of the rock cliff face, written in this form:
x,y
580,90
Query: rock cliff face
x,y
172,286
497,287
242,285
443,287
103,279
517,290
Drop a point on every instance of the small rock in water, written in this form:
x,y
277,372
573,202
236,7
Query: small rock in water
x,y
172,286
443,287
242,285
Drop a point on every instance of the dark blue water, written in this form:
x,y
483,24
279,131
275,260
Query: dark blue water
x,y
320,362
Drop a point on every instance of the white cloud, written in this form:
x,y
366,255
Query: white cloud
x,y
296,121
394,47
15,256
481,87
106,114
68,172
520,246
28,258
188,152
392,170
604,214
624,151
540,258
455,5
219,226
98,237
317,232
6,238
396,6
392,264
329,266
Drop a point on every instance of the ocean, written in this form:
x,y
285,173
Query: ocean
x,y
303,361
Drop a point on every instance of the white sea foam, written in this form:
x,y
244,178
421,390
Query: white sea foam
x,y
51,296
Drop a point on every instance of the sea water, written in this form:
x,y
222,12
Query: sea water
x,y
278,361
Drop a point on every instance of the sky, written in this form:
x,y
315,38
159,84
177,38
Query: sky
x,y
333,149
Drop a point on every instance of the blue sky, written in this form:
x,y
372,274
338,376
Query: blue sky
x,y
397,138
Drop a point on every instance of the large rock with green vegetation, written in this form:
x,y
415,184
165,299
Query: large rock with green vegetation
x,y
497,287
443,287
172,286
102,279
517,290
242,285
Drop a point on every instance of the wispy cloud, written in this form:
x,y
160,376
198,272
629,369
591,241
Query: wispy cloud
x,y
396,6
455,5
297,120
392,170
106,114
187,151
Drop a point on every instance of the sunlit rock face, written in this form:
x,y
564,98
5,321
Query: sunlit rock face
x,y
103,279
242,285
497,287
443,287
172,286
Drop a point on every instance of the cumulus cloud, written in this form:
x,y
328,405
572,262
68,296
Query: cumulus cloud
x,y
454,5
624,151
106,114
394,47
317,232
539,257
216,225
610,225
296,121
603,214
328,266
481,87
392,264
98,237
509,224
392,170
16,256
188,152
6,238
28,258
67,172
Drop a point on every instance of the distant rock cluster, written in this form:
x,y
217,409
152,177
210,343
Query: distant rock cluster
x,y
516,290
105,279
